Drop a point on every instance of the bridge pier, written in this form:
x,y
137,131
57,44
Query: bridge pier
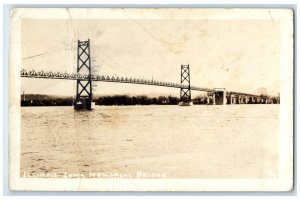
x,y
210,98
234,99
219,96
244,99
238,99
256,100
259,100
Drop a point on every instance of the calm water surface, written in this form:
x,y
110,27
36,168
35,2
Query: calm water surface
x,y
181,142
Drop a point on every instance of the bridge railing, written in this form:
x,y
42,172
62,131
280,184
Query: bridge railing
x,y
105,78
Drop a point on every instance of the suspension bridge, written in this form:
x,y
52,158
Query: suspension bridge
x,y
84,78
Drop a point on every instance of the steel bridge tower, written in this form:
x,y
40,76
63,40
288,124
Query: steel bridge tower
x,y
185,93
83,99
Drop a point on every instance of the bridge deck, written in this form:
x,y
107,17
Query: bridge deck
x,y
116,79
66,76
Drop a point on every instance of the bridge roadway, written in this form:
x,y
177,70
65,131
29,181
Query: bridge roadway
x,y
66,76
84,77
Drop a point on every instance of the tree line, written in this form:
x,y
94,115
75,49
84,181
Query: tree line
x,y
45,100
48,100
136,100
118,100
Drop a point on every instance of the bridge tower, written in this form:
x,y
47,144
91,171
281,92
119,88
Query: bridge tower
x,y
185,93
83,99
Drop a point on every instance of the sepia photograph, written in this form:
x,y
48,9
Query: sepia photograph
x,y
144,99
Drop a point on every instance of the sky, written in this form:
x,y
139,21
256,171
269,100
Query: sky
x,y
239,55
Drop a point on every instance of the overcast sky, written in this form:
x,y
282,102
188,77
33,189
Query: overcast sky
x,y
239,55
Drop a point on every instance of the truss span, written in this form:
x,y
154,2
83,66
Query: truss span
x,y
94,77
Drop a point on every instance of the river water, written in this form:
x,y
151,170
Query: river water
x,y
201,141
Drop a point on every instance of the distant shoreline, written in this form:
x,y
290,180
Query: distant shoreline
x,y
115,100
37,100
